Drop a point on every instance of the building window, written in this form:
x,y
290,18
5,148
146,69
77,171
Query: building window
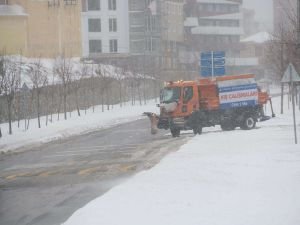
x,y
113,45
94,5
70,2
151,44
112,25
150,23
95,46
112,4
94,25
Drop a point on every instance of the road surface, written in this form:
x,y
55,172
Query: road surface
x,y
45,185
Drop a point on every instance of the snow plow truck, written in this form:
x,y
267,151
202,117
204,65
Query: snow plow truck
x,y
229,101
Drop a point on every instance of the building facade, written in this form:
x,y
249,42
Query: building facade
x,y
214,25
172,35
105,28
43,28
145,27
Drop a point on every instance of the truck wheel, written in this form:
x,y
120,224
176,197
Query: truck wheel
x,y
175,132
197,130
227,126
248,123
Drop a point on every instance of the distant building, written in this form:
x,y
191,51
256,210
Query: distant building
x,y
253,54
40,28
172,37
214,26
250,26
105,28
145,27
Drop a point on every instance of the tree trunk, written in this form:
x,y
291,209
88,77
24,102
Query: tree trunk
x,y
132,95
139,94
47,106
65,106
107,99
58,109
120,94
93,101
282,94
9,103
38,108
77,103
102,101
18,110
28,122
144,91
52,105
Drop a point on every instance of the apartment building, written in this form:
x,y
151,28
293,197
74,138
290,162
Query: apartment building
x,y
214,25
172,34
41,28
105,28
145,27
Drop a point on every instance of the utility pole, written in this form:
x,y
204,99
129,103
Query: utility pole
x,y
298,22
298,36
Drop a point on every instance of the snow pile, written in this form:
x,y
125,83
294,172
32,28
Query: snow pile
x,y
259,38
73,126
238,177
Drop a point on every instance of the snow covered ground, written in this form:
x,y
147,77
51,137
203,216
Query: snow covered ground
x,y
73,126
218,178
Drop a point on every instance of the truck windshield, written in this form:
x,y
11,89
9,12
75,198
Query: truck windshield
x,y
169,95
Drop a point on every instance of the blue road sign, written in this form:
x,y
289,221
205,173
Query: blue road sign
x,y
212,64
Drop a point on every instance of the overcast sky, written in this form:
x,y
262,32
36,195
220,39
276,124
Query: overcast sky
x,y
264,11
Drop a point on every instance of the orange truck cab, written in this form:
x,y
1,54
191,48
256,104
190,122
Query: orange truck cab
x,y
230,101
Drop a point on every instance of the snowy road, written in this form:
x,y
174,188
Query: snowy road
x,y
46,185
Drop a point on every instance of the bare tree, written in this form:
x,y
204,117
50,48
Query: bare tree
x,y
39,79
283,49
120,73
105,82
63,69
1,87
10,80
80,75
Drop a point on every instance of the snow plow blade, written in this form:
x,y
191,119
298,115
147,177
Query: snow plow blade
x,y
153,121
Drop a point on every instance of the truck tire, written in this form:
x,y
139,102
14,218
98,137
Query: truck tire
x,y
227,125
197,130
175,132
249,123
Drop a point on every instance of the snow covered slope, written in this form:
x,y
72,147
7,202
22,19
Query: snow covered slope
x,y
219,178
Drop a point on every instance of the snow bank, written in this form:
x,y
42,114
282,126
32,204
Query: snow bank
x,y
73,126
237,177
259,38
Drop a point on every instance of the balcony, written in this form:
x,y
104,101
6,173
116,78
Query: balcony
x,y
217,30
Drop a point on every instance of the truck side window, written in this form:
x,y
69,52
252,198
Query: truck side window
x,y
187,94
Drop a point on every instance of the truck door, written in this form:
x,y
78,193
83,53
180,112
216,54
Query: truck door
x,y
188,94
